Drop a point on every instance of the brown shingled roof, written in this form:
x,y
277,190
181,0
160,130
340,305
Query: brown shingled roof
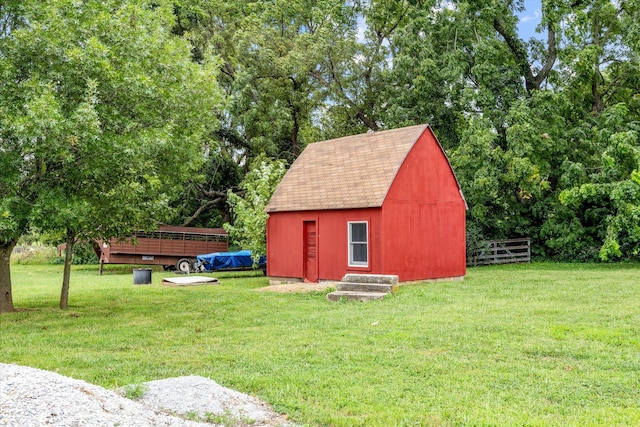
x,y
351,172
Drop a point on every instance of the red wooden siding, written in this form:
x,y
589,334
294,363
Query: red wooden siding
x,y
285,242
423,217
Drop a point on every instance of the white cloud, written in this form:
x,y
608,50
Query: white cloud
x,y
537,14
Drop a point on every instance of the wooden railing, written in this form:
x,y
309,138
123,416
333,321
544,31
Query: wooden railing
x,y
502,252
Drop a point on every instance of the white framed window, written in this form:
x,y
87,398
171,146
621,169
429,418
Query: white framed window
x,y
358,244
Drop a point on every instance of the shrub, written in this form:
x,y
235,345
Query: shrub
x,y
83,253
37,254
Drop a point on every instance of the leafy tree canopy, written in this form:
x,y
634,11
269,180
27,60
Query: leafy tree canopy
x,y
103,115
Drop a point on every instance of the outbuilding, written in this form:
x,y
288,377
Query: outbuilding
x,y
385,202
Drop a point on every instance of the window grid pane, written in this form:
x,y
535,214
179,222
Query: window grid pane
x,y
360,252
358,244
359,233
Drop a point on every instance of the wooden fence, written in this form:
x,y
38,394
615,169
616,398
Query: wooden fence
x,y
502,252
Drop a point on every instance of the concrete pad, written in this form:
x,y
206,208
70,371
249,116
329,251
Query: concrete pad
x,y
300,287
357,296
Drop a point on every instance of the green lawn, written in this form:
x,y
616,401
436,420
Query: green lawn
x,y
535,345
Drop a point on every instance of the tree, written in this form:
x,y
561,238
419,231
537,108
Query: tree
x,y
598,60
249,226
264,71
604,195
524,121
14,208
203,200
543,99
104,116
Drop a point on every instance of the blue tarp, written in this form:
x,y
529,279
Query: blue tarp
x,y
227,260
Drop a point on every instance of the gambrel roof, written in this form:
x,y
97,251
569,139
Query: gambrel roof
x,y
345,173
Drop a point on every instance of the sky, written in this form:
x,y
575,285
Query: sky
x,y
529,19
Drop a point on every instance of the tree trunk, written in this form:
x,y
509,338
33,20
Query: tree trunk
x,y
6,299
64,294
295,113
596,103
519,51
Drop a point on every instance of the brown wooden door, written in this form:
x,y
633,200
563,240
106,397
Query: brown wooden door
x,y
310,252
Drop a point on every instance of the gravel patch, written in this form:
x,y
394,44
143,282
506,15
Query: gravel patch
x,y
34,397
205,398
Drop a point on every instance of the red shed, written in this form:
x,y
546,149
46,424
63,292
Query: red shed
x,y
386,202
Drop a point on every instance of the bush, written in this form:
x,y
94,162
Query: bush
x,y
83,253
33,254
37,254
476,240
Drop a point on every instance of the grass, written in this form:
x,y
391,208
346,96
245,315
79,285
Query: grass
x,y
534,345
134,391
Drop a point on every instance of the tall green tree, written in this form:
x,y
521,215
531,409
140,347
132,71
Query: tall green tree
x,y
14,208
526,122
544,99
264,72
249,226
104,116
598,63
602,195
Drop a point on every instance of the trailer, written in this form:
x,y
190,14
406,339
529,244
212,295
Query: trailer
x,y
171,246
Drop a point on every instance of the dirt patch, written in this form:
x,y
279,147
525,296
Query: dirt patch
x,y
298,287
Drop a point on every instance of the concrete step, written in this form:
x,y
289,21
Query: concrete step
x,y
357,296
366,287
383,279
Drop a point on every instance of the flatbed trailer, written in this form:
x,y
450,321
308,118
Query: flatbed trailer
x,y
172,247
